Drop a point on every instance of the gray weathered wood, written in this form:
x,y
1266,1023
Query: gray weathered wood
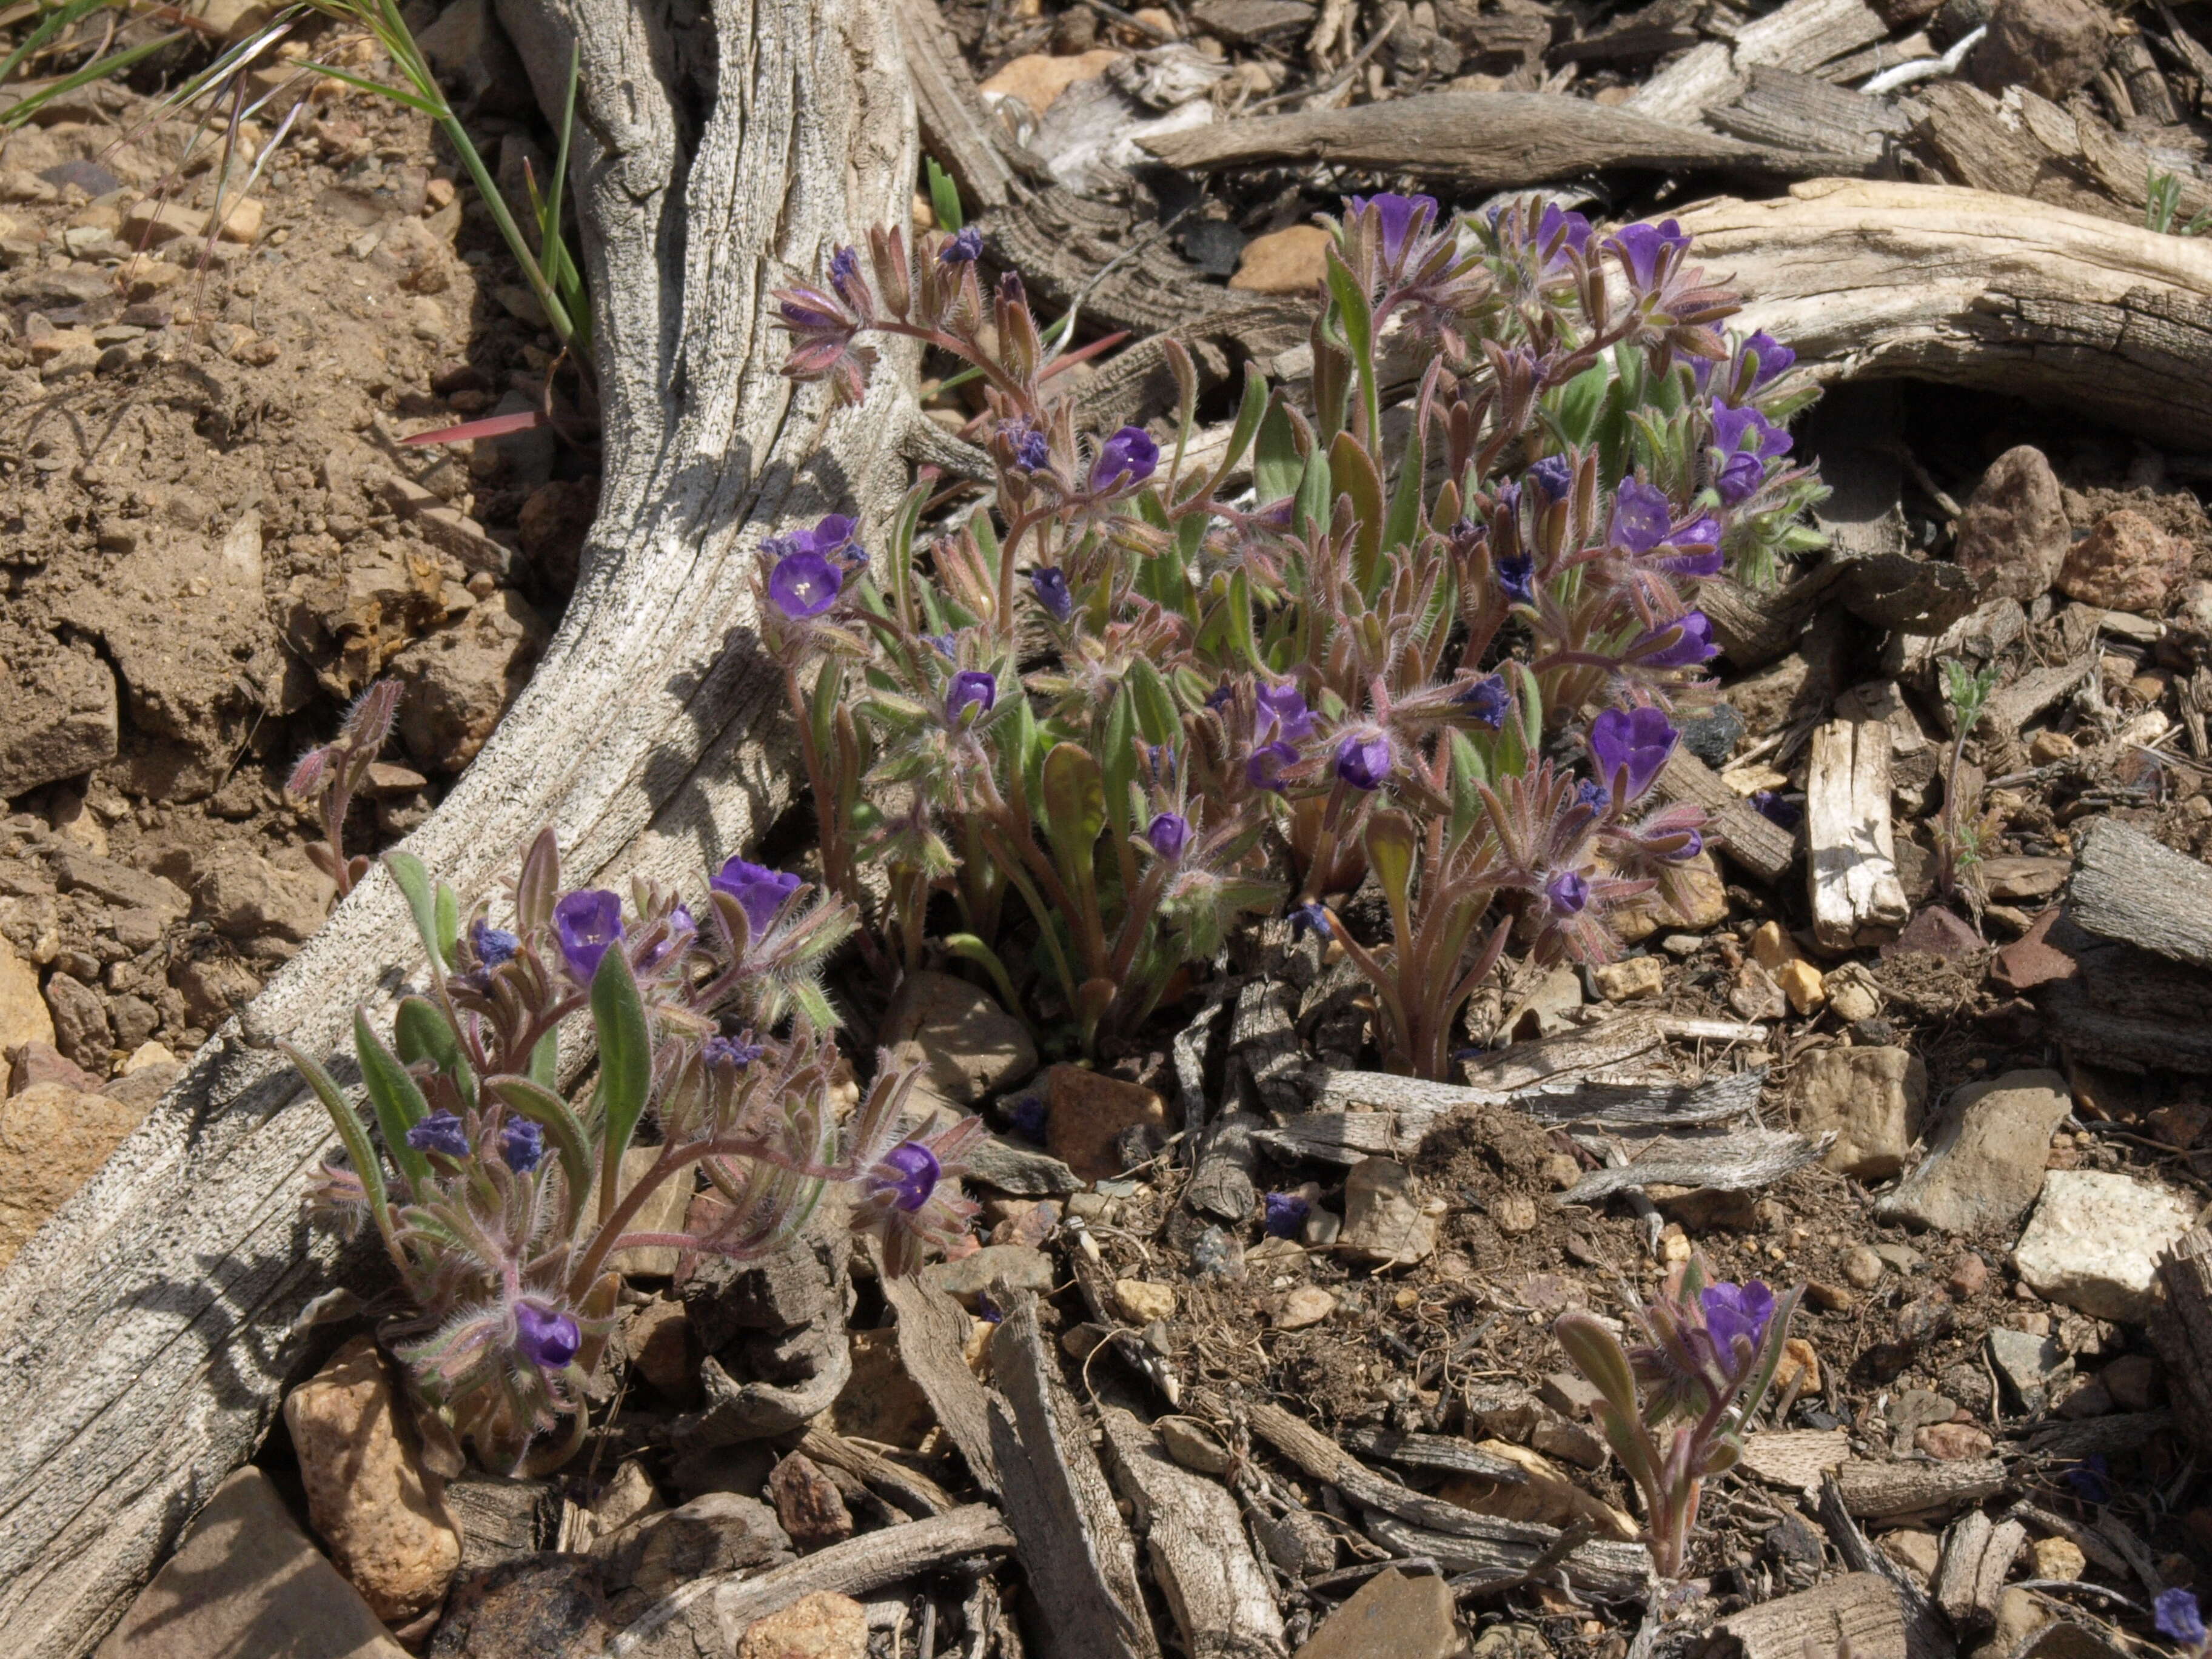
x,y
956,131
1852,861
1436,1451
1223,1603
1800,36
1925,1634
2184,1336
1601,1565
1478,140
1759,844
2016,704
975,1535
911,1489
1877,1491
2128,887
932,1339
1860,1610
1734,1161
146,1332
1786,111
1977,1554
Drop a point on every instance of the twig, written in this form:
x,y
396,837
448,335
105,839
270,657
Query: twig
x,y
1924,68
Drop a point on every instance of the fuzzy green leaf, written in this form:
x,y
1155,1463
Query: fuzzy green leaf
x,y
397,1098
553,1114
419,1032
625,1063
359,1151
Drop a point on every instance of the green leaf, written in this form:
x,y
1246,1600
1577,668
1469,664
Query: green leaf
x,y
552,1113
1277,464
1074,801
1352,469
1155,703
1249,413
1391,844
1316,493
347,1122
1405,521
1577,405
1119,760
420,1032
422,903
446,917
1595,1353
625,1063
944,196
545,1060
396,1096
968,948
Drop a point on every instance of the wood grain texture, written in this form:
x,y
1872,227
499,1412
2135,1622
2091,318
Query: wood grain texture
x,y
146,1332
2129,887
1799,36
1860,1608
1851,860
1873,280
2184,1337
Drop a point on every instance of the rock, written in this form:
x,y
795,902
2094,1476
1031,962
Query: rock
x,y
1390,1617
1916,1551
1802,983
1289,261
52,1140
882,1401
2032,1364
57,716
1088,1113
1985,1160
246,1580
1952,1443
2014,534
1140,1301
1021,1266
1629,980
659,1342
2056,1557
719,1531
968,1046
1754,994
1193,1445
632,1494
552,527
368,1496
823,1625
808,1504
1543,1008
1385,1223
1037,79
1306,1305
536,1607
1572,1441
2051,47
2020,1614
80,1028
121,885
1852,993
2125,562
24,1017
1872,1097
1515,1214
214,988
2135,1382
1937,932
243,895
32,1063
1863,1267
2093,1242
467,46
1704,905
1547,1496
242,224
460,679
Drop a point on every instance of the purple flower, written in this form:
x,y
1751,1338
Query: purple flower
x,y
1485,701
1050,586
1285,708
1637,741
1399,218
1220,696
1264,770
1027,1116
908,1173
2088,1479
802,583
586,921
440,1132
1770,358
547,1339
1517,578
1168,833
522,1144
1286,1213
1033,454
1741,476
1693,844
1363,759
1734,1311
733,1052
2179,1617
971,687
681,930
1775,810
1695,549
845,277
965,247
1642,248
760,891
1554,475
1568,893
1641,516
1593,795
1556,220
1693,643
1310,918
1732,427
942,643
492,945
1125,460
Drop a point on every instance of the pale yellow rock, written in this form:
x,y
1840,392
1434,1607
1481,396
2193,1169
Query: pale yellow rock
x,y
380,1512
1800,982
823,1625
1141,1302
1164,25
242,223
148,1054
1630,980
52,1140
1704,905
1772,947
23,1014
1283,261
1307,1305
2057,1557
1852,994
1036,78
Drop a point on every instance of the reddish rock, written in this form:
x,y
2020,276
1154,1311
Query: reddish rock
x,y
1089,1112
2125,563
33,1063
2032,960
2052,47
1953,1442
2014,535
1935,932
808,1503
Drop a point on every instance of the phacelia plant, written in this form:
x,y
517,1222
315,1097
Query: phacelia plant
x,y
499,1201
1147,690
1708,1358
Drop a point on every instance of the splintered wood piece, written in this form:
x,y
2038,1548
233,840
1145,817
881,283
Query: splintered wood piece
x,y
932,1349
1852,849
1796,1458
911,1489
1877,1491
1219,1592
1967,288
1598,1565
2026,145
956,131
2014,705
2184,1335
1324,1460
1978,1553
2128,887
1734,1161
1071,1540
1860,1608
1759,844
1800,112
1800,36
1478,140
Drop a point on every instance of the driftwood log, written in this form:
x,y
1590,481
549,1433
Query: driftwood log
x,y
148,1332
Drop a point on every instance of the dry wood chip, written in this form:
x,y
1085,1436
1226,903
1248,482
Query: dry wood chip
x,y
1734,1161
1860,1608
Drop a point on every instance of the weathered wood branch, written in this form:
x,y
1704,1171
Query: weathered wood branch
x,y
147,1332
1971,288
1860,1608
2128,887
1852,863
2184,1337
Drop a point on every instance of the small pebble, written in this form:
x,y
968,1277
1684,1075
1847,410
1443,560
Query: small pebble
x,y
1862,1267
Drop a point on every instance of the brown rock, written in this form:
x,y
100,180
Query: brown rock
x,y
823,1625
52,1140
41,1062
2125,563
1872,1097
968,1045
1704,905
1953,1442
2014,534
214,987
368,1495
460,679
535,1607
1630,980
1386,1222
1985,1161
552,526
57,716
81,1030
1037,79
1088,1113
808,1503
1390,1617
881,1402
1292,261
23,1015
719,1531
2052,47
243,895
660,1344
246,1580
